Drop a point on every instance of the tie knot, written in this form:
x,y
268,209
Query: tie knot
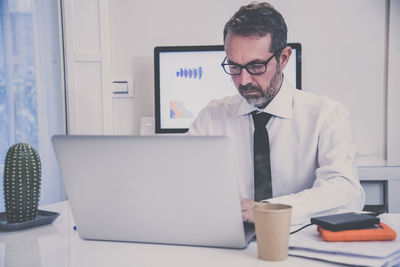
x,y
260,119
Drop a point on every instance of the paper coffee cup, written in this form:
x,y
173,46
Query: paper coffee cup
x,y
272,225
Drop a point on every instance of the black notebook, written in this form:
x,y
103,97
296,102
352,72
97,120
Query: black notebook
x,y
346,221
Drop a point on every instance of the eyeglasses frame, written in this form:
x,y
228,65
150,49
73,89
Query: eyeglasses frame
x,y
265,63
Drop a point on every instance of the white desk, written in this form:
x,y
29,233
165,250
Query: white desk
x,y
59,245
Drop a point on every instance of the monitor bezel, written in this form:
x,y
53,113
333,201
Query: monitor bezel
x,y
198,48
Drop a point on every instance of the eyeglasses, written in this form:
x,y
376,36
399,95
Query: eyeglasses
x,y
256,68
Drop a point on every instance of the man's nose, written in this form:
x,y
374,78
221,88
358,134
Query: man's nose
x,y
245,77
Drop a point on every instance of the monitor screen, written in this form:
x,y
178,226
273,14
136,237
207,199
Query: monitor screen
x,y
188,77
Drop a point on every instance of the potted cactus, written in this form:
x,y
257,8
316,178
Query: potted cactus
x,y
22,177
22,180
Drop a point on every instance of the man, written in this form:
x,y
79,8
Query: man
x,y
310,164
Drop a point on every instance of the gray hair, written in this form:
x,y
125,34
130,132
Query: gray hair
x,y
259,19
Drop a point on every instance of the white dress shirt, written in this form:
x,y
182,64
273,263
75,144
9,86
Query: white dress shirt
x,y
312,153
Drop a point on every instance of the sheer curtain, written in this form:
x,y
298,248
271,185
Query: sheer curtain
x,y
31,91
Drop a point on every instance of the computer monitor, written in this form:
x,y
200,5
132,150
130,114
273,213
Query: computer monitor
x,y
188,77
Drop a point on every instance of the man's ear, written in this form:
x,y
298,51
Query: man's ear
x,y
284,57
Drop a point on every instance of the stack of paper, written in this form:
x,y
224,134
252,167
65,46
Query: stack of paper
x,y
307,243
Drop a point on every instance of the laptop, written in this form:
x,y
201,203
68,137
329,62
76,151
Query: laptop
x,y
177,190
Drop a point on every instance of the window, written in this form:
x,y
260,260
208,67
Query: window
x,y
31,92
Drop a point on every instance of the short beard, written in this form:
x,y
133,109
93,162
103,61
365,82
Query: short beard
x,y
265,96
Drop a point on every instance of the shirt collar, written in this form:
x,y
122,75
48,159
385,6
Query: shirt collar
x,y
280,106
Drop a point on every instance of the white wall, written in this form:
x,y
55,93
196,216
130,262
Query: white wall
x,y
138,26
393,107
344,54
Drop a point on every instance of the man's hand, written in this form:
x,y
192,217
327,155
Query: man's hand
x,y
247,209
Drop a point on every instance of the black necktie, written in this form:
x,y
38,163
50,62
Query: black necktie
x,y
262,163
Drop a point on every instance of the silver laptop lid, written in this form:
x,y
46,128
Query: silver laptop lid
x,y
157,189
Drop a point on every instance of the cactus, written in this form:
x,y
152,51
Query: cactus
x,y
22,171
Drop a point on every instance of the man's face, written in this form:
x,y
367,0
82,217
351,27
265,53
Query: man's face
x,y
258,90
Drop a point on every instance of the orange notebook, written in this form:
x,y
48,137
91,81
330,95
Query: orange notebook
x,y
381,232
